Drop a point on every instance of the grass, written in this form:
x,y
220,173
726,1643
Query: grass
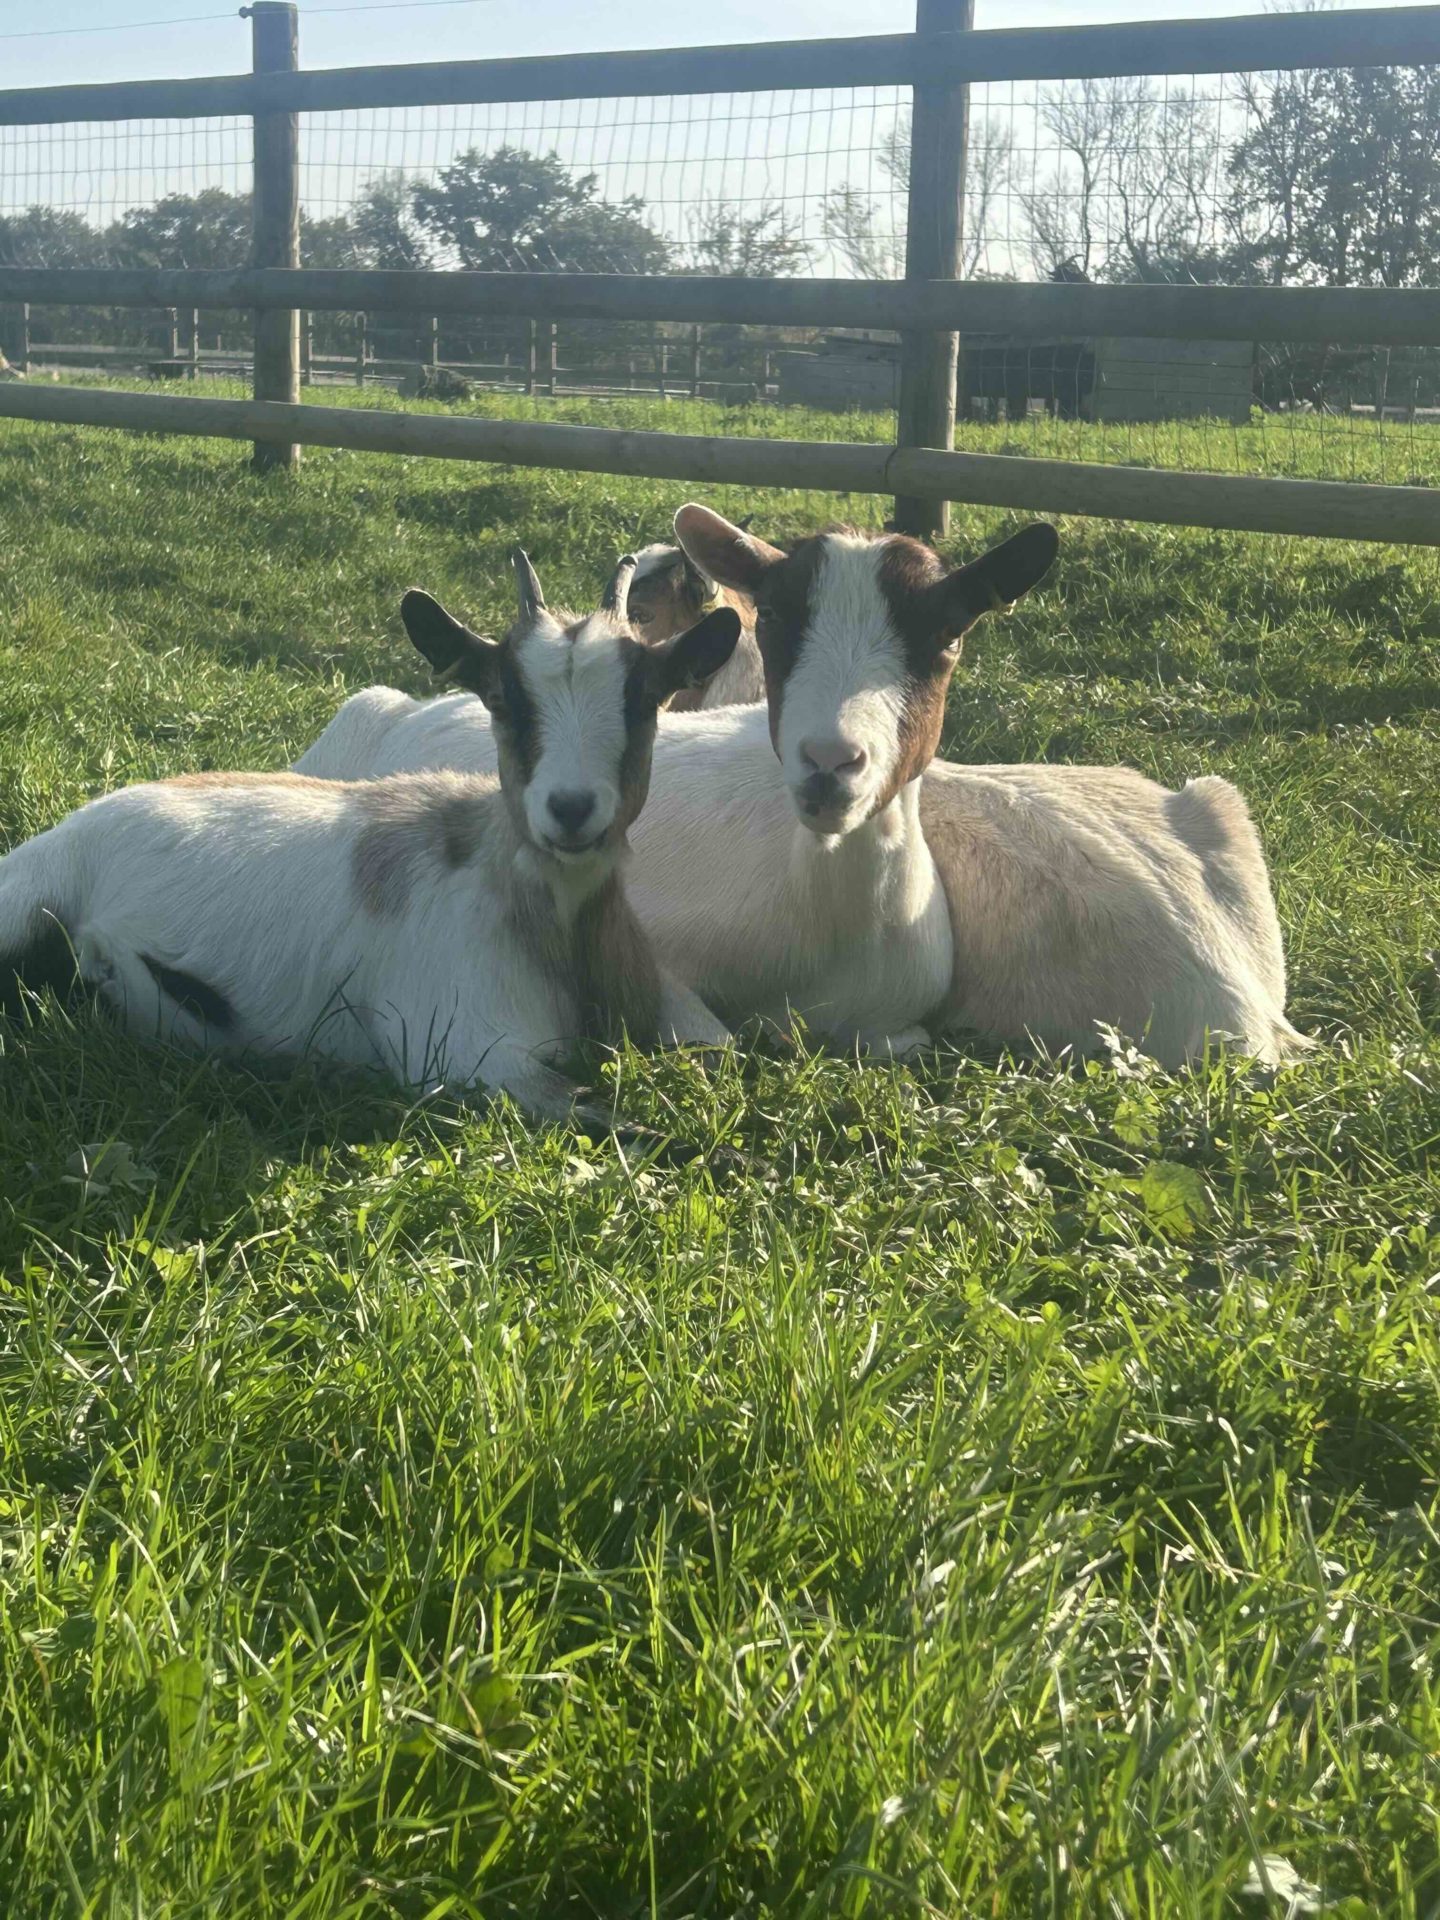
x,y
1023,1502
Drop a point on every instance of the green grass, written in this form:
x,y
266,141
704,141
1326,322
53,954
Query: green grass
x,y
1022,1502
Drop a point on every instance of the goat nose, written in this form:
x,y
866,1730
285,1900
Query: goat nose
x,y
835,755
571,810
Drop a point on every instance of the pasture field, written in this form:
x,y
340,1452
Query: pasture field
x,y
1019,1499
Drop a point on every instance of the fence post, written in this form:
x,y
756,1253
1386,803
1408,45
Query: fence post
x,y
530,367
432,341
929,361
360,349
554,358
275,241
21,360
695,361
307,349
193,371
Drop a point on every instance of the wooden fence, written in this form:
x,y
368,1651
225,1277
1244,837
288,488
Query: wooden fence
x,y
931,308
536,358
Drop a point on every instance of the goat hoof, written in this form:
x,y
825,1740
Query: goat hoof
x,y
898,1046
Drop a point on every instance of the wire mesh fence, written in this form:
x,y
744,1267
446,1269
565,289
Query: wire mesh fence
x,y
1305,178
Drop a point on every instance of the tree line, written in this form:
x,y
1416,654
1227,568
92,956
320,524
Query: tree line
x,y
1321,178
1326,177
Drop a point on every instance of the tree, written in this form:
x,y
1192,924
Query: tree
x,y
1132,195
384,224
56,237
203,230
989,159
516,211
329,242
727,239
49,237
864,232
856,229
1336,181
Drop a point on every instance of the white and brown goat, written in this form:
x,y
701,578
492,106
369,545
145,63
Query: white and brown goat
x,y
671,593
798,884
444,926
1078,897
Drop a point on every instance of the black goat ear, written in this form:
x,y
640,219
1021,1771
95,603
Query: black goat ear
x,y
693,657
456,655
996,580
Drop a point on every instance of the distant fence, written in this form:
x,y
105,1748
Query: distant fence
x,y
533,357
931,307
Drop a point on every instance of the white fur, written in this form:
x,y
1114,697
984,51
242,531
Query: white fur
x,y
759,915
578,689
1078,896
250,888
397,923
845,695
656,558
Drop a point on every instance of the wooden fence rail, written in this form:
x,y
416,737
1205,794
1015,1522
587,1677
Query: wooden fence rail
x,y
1339,510
940,61
1341,316
1358,37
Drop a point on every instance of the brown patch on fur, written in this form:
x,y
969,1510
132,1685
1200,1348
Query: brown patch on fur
x,y
462,825
602,959
383,867
907,573
617,984
220,778
782,609
669,599
413,821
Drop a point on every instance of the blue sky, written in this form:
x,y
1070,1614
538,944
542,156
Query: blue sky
x,y
681,157
473,30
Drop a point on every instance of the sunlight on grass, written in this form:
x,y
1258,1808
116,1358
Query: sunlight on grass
x,y
1022,1502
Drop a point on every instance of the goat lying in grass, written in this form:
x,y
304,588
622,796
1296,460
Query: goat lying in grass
x,y
1078,897
442,926
799,883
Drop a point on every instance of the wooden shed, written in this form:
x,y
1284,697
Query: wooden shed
x,y
1107,379
1172,380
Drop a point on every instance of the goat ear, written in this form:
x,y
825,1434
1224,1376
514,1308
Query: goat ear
x,y
456,654
698,581
695,656
734,558
996,580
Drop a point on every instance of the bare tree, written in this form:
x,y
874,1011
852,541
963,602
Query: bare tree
x,y
864,230
730,238
857,229
1135,191
989,161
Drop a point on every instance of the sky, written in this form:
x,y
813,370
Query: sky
x,y
38,46
781,151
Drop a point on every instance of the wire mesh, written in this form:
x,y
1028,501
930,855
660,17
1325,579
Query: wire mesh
x,y
1126,180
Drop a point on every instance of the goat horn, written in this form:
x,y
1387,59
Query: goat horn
x,y
532,598
616,597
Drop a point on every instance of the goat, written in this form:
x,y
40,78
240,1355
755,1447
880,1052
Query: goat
x,y
671,593
1079,897
801,885
445,926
